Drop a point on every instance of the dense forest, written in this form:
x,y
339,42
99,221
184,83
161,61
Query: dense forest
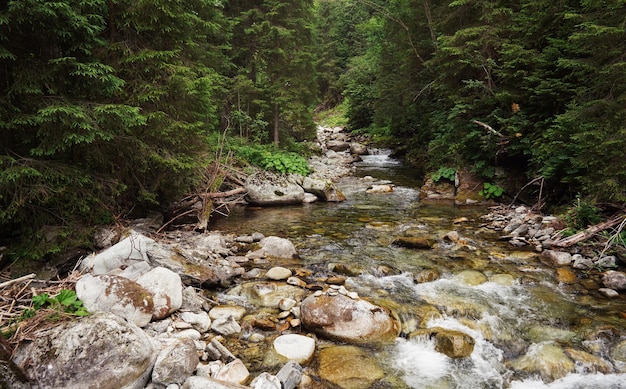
x,y
114,107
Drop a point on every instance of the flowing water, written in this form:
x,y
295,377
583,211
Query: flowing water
x,y
513,306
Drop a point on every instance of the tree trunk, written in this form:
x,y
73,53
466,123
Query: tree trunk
x,y
276,124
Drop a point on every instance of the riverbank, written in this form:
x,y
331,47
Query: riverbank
x,y
253,294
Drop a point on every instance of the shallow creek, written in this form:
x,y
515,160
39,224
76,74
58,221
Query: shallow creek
x,y
517,309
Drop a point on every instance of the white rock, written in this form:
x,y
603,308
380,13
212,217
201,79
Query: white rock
x,y
189,333
175,363
166,288
235,311
195,382
200,320
233,372
295,347
100,351
266,381
118,295
278,273
286,304
225,325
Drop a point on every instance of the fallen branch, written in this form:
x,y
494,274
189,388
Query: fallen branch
x,y
219,195
17,280
488,128
589,232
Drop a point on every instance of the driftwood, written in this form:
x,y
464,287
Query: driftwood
x,y
589,232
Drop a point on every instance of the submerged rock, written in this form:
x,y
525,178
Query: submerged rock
x,y
349,367
454,344
546,359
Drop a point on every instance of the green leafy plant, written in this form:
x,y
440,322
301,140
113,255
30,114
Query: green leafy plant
x,y
273,160
447,173
491,191
66,302
582,214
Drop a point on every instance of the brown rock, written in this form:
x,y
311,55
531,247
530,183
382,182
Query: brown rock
x,y
415,242
454,344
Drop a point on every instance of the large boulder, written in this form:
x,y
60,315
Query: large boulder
x,y
166,289
176,362
189,262
117,295
350,320
92,352
323,189
267,189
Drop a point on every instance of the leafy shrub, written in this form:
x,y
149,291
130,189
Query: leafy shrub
x,y
583,214
491,191
447,173
66,302
273,160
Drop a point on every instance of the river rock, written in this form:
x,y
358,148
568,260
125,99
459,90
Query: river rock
x,y
337,145
175,363
199,320
234,372
415,242
358,149
614,280
267,188
236,311
454,344
470,277
565,276
266,381
546,359
226,325
90,352
290,375
607,262
379,188
118,295
589,363
295,347
195,382
618,354
129,250
352,321
274,246
557,258
441,190
267,294
349,367
539,333
323,189
166,289
278,273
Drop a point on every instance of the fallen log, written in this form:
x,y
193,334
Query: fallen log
x,y
589,232
219,195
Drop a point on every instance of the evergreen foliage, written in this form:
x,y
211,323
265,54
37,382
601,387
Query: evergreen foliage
x,y
110,106
531,85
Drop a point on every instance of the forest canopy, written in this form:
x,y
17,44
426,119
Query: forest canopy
x,y
112,106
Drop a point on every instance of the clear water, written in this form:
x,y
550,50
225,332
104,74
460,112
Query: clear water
x,y
521,305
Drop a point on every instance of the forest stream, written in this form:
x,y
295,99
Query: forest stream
x,y
522,316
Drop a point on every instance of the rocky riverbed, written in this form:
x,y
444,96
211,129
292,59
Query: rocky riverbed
x,y
217,310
